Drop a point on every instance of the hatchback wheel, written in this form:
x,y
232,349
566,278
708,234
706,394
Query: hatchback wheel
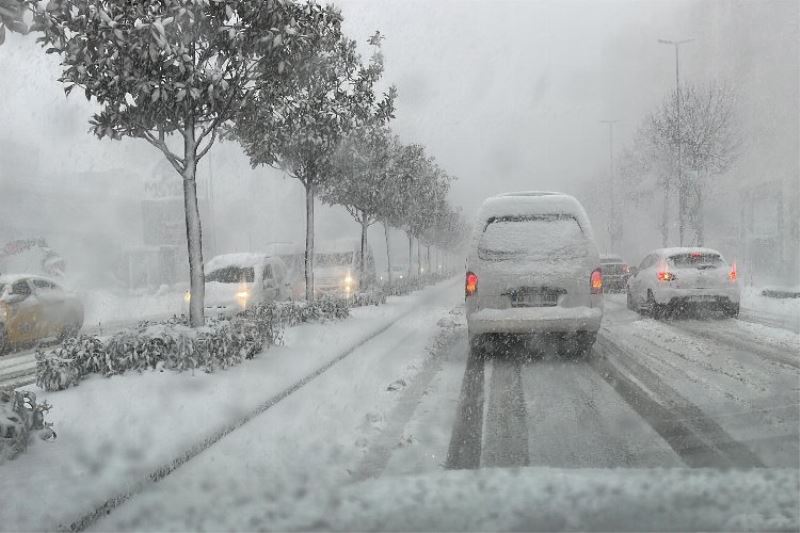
x,y
4,343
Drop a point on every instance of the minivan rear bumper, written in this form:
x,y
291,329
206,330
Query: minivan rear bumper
x,y
521,320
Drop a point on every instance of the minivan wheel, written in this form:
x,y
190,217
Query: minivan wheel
x,y
732,310
585,343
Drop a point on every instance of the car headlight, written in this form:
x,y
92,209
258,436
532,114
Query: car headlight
x,y
187,296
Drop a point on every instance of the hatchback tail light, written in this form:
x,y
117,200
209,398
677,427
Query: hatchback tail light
x,y
471,284
596,281
732,273
665,275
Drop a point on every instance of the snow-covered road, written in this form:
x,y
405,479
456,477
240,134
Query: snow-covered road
x,y
395,392
712,393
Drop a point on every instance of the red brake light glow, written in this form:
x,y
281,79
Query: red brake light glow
x,y
471,285
732,273
665,275
597,281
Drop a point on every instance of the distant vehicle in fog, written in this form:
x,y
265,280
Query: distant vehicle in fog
x,y
235,282
533,268
337,266
33,308
615,273
670,279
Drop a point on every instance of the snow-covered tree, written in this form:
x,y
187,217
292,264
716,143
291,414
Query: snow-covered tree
x,y
174,70
696,143
332,93
359,180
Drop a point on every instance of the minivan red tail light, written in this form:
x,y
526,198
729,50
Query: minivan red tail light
x,y
732,273
471,284
597,281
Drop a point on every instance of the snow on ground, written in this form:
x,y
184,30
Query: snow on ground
x,y
782,312
103,305
303,442
113,432
743,375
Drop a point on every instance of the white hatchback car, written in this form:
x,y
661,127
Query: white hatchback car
x,y
533,268
675,278
235,282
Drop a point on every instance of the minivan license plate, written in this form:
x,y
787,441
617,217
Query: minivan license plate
x,y
534,299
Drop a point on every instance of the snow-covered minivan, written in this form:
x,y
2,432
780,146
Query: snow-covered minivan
x,y
533,268
235,282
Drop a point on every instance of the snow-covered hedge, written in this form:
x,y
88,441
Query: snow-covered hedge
x,y
21,417
172,344
400,287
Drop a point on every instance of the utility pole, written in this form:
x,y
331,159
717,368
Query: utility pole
x,y
682,192
613,225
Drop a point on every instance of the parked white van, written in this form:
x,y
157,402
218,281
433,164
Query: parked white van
x,y
534,268
337,266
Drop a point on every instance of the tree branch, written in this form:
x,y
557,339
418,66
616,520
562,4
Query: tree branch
x,y
205,150
159,143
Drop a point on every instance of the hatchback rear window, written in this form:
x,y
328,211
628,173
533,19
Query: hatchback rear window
x,y
232,274
541,237
695,259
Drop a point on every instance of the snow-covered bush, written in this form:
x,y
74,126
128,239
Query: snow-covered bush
x,y
373,297
173,345
21,417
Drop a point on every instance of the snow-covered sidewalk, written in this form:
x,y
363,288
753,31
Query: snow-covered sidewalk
x,y
114,433
778,312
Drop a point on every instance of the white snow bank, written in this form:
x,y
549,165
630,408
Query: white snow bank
x,y
112,432
547,499
780,311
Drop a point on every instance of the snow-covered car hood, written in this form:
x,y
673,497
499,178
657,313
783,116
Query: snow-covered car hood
x,y
550,499
332,275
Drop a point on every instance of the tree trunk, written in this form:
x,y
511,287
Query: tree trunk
x,y
430,267
665,215
194,232
362,267
309,253
410,255
388,253
697,217
419,258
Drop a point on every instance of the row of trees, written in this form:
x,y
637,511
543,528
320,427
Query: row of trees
x,y
679,151
278,76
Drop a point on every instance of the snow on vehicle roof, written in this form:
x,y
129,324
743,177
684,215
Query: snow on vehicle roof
x,y
610,258
533,203
11,278
239,260
676,250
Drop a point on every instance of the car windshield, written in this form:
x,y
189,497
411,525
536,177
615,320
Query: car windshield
x,y
577,306
695,259
334,259
232,274
547,237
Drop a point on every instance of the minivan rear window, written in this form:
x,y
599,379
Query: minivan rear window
x,y
541,237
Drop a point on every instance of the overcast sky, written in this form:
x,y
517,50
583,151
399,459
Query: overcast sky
x,y
507,95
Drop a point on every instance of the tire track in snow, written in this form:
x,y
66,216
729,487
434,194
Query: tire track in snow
x,y
737,340
104,509
465,441
697,439
506,430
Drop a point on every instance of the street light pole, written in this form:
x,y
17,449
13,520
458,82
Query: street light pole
x,y
681,185
613,226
